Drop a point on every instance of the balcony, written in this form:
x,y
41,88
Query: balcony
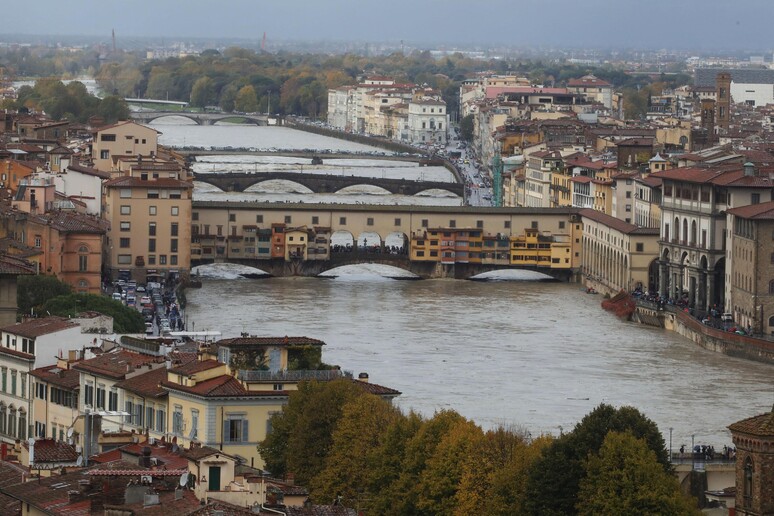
x,y
292,376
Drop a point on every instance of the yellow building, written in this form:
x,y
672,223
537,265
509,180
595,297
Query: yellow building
x,y
55,406
149,210
120,140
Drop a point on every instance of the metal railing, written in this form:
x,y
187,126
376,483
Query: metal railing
x,y
292,376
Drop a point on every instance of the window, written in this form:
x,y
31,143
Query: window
x,y
88,394
107,137
151,245
126,193
628,195
232,217
126,210
101,396
152,229
195,215
194,432
755,198
175,211
161,420
174,228
370,221
40,390
162,259
235,429
125,259
149,413
452,223
124,242
640,247
424,223
173,259
175,194
288,219
480,224
177,420
83,263
342,221
23,389
13,382
151,210
507,224
747,488
534,224
173,245
153,194
125,225
152,259
259,219
561,224
113,399
104,154
315,219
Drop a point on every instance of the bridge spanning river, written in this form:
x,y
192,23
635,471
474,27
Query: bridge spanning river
x,y
323,183
146,117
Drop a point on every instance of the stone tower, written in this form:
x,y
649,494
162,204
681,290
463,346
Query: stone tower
x,y
723,98
708,119
754,441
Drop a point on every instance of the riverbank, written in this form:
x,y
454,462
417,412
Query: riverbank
x,y
674,319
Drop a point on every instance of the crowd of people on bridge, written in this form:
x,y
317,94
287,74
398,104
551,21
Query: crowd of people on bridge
x,y
706,452
370,249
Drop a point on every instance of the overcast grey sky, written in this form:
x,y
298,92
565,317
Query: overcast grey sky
x,y
715,24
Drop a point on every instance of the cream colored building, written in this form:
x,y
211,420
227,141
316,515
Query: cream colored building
x,y
618,255
120,140
55,407
149,210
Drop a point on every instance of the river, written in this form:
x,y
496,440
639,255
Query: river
x,y
534,354
539,355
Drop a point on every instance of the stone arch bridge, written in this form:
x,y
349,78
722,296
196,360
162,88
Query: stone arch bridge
x,y
323,183
423,270
146,117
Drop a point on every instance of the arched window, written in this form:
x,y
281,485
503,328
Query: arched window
x,y
747,489
685,230
83,284
22,424
83,249
12,422
771,287
771,320
3,419
693,232
677,228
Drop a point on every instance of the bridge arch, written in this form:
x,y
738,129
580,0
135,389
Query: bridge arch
x,y
279,186
161,116
398,241
436,192
342,241
369,240
369,189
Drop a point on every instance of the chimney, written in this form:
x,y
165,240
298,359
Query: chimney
x,y
363,377
749,168
290,479
145,458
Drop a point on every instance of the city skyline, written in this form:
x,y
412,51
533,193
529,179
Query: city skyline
x,y
706,25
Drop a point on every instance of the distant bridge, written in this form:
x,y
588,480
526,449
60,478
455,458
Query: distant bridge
x,y
421,269
324,183
147,117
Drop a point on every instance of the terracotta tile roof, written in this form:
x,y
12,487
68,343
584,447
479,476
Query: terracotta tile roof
x,y
269,341
378,390
115,364
15,266
653,182
74,222
588,80
224,386
201,452
580,179
136,182
49,450
88,171
616,224
10,475
639,142
195,366
17,354
64,378
762,211
761,425
147,384
34,328
119,124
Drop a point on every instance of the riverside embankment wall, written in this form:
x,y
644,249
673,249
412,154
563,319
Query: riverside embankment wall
x,y
731,344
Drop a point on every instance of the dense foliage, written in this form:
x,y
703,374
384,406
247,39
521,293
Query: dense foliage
x,y
359,450
46,295
71,102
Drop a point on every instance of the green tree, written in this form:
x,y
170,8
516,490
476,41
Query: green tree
x,y
32,292
113,108
440,480
160,84
246,100
467,125
228,97
361,431
301,434
125,318
627,478
202,92
552,487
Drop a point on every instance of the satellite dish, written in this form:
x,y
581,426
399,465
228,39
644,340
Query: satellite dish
x,y
70,432
184,479
31,441
79,462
